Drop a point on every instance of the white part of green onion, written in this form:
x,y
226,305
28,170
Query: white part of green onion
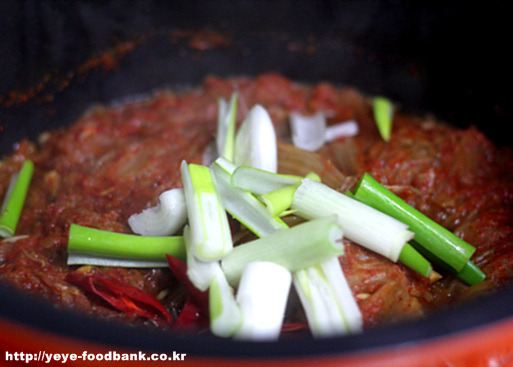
x,y
210,231
295,248
308,132
225,314
362,224
262,297
352,315
255,141
164,219
342,129
225,140
241,204
259,181
92,259
321,309
329,305
200,273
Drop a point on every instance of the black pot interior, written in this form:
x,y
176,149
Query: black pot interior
x,y
447,59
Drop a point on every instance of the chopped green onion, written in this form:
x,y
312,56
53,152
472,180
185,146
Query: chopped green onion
x,y
261,182
435,239
225,140
262,297
97,247
165,219
342,129
415,261
255,142
210,232
308,132
14,199
361,224
383,111
279,200
329,305
225,314
469,274
241,204
335,276
301,246
199,272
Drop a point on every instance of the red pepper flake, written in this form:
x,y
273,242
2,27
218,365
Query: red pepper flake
x,y
123,297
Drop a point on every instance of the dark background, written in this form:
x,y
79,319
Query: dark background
x,y
448,58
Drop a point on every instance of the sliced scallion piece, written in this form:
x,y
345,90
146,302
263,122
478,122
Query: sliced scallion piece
x,y
241,204
225,314
469,274
308,132
165,219
329,305
97,247
255,141
279,200
415,261
225,140
434,238
383,110
210,232
259,181
262,296
199,272
342,129
14,199
301,246
362,224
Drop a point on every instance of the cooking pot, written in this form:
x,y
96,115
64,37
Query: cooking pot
x,y
59,58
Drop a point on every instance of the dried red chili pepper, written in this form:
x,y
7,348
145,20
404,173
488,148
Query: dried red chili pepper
x,y
199,298
122,297
190,316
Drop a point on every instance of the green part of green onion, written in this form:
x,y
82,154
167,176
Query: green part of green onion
x,y
225,314
226,127
383,111
259,181
301,246
415,261
279,200
210,231
434,238
361,223
15,199
469,274
97,247
241,204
